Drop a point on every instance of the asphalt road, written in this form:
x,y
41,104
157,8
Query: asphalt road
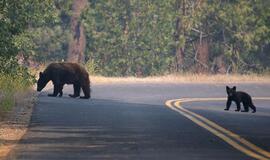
x,y
131,121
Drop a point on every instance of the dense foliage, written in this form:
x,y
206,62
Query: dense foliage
x,y
129,37
141,38
17,21
13,80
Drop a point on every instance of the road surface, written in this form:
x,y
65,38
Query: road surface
x,y
132,121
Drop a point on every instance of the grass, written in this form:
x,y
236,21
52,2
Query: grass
x,y
11,86
16,104
185,78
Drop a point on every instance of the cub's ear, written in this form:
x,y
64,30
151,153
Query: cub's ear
x,y
234,88
40,74
227,88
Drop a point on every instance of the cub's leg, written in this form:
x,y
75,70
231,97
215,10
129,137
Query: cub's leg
x,y
228,105
238,105
246,106
56,88
251,105
77,90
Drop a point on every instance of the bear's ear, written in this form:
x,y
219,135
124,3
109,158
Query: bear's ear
x,y
227,88
234,88
40,74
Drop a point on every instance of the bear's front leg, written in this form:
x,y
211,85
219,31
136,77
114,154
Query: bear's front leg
x,y
238,105
55,91
228,104
77,90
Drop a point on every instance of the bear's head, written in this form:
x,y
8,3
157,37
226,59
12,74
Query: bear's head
x,y
231,91
42,81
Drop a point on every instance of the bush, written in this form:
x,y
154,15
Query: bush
x,y
13,79
91,67
10,66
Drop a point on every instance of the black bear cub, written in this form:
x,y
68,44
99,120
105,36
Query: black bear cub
x,y
239,97
65,73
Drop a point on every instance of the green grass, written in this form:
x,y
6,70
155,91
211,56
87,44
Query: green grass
x,y
9,87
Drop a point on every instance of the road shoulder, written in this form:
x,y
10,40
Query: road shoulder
x,y
15,122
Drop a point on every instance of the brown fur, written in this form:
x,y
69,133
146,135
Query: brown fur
x,y
65,73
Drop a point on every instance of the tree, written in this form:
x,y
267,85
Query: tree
x,y
129,37
235,31
16,17
187,12
141,38
77,43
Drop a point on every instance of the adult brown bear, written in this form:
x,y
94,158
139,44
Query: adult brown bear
x,y
65,73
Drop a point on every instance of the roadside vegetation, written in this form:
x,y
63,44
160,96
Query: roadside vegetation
x,y
173,40
16,18
14,79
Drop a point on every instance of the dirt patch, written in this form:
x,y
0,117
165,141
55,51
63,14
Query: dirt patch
x,y
14,123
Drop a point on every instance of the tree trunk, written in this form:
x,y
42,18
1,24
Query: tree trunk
x,y
179,58
127,19
202,55
180,32
78,41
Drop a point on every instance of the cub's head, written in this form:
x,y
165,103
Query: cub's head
x,y
42,81
231,91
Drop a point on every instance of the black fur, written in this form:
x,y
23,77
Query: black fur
x,y
239,97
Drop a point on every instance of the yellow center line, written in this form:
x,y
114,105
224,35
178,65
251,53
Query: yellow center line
x,y
214,125
216,129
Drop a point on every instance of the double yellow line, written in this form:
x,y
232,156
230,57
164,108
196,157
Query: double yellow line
x,y
231,138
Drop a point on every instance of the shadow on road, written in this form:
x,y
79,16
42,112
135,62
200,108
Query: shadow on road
x,y
98,129
66,128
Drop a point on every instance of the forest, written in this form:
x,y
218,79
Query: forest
x,y
137,38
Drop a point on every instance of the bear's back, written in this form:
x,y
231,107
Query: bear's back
x,y
71,68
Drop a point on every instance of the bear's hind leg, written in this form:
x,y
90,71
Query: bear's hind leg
x,y
252,107
77,90
86,91
61,90
245,107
